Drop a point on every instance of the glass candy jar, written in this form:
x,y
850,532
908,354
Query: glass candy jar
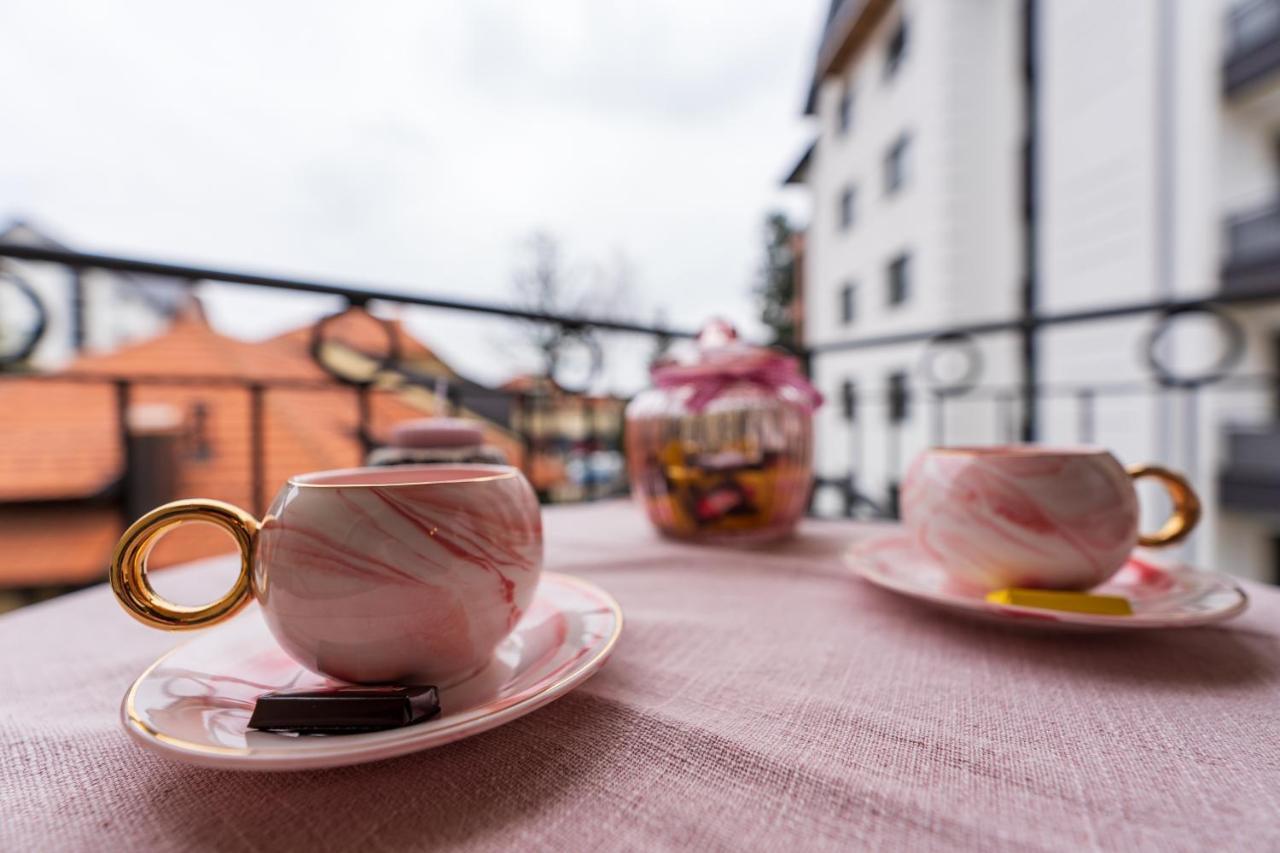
x,y
721,448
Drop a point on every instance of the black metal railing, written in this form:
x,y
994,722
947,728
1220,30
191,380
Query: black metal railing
x,y
877,425
1253,43
355,294
920,406
1254,236
994,418
1216,420
1253,250
1251,23
529,417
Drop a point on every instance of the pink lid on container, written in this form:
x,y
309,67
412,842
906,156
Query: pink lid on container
x,y
722,361
437,432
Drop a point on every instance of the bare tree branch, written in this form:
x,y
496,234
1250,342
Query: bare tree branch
x,y
544,281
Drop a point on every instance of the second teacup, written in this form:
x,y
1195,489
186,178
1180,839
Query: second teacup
x,y
1030,516
368,575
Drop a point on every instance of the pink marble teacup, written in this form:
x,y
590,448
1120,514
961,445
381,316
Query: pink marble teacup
x,y
1031,516
411,573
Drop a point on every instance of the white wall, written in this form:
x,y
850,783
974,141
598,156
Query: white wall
x,y
958,215
979,140
115,313
957,96
884,225
878,451
1137,183
1097,145
1141,160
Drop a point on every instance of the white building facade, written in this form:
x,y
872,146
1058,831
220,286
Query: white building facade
x,y
1033,159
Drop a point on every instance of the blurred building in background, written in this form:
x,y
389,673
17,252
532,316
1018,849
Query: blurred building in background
x,y
66,490
987,160
79,311
130,399
574,439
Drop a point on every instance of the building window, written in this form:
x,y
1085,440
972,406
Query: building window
x,y
848,306
895,164
899,397
199,445
895,50
849,400
899,279
847,200
844,113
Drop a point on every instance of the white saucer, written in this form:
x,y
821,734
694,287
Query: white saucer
x,y
1161,596
194,703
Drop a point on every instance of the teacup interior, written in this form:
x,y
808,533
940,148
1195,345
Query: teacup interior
x,y
404,475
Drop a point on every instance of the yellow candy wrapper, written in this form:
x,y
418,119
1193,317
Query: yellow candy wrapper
x,y
1052,599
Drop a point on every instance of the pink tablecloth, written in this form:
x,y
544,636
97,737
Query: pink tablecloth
x,y
759,699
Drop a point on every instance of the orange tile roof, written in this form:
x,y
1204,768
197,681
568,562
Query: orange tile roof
x,y
192,348
61,441
369,337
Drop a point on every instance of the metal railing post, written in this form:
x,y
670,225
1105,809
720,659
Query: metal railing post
x,y
364,417
938,432
1085,427
124,394
257,448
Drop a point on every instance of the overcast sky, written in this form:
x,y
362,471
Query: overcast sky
x,y
410,144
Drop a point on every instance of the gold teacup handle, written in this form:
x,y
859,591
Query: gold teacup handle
x,y
129,565
1186,505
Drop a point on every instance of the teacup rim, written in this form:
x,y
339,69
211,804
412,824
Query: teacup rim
x,y
978,451
494,473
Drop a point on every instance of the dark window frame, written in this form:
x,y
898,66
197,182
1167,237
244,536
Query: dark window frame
x,y
898,280
847,214
898,397
896,47
895,164
200,446
844,110
848,302
849,400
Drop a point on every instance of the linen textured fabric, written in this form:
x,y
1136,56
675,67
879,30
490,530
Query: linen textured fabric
x,y
759,699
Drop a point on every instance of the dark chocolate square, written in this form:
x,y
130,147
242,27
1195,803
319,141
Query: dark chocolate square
x,y
344,710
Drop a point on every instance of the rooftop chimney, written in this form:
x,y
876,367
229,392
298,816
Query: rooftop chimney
x,y
155,433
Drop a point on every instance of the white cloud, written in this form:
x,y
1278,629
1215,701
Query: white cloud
x,y
409,144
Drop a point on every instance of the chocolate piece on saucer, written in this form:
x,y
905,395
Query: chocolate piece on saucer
x,y
344,710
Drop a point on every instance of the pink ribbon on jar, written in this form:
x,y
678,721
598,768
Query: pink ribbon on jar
x,y
710,377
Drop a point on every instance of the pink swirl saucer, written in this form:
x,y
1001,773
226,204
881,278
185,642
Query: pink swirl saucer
x,y
1161,596
194,703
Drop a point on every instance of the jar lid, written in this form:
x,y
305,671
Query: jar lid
x,y
721,360
436,432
